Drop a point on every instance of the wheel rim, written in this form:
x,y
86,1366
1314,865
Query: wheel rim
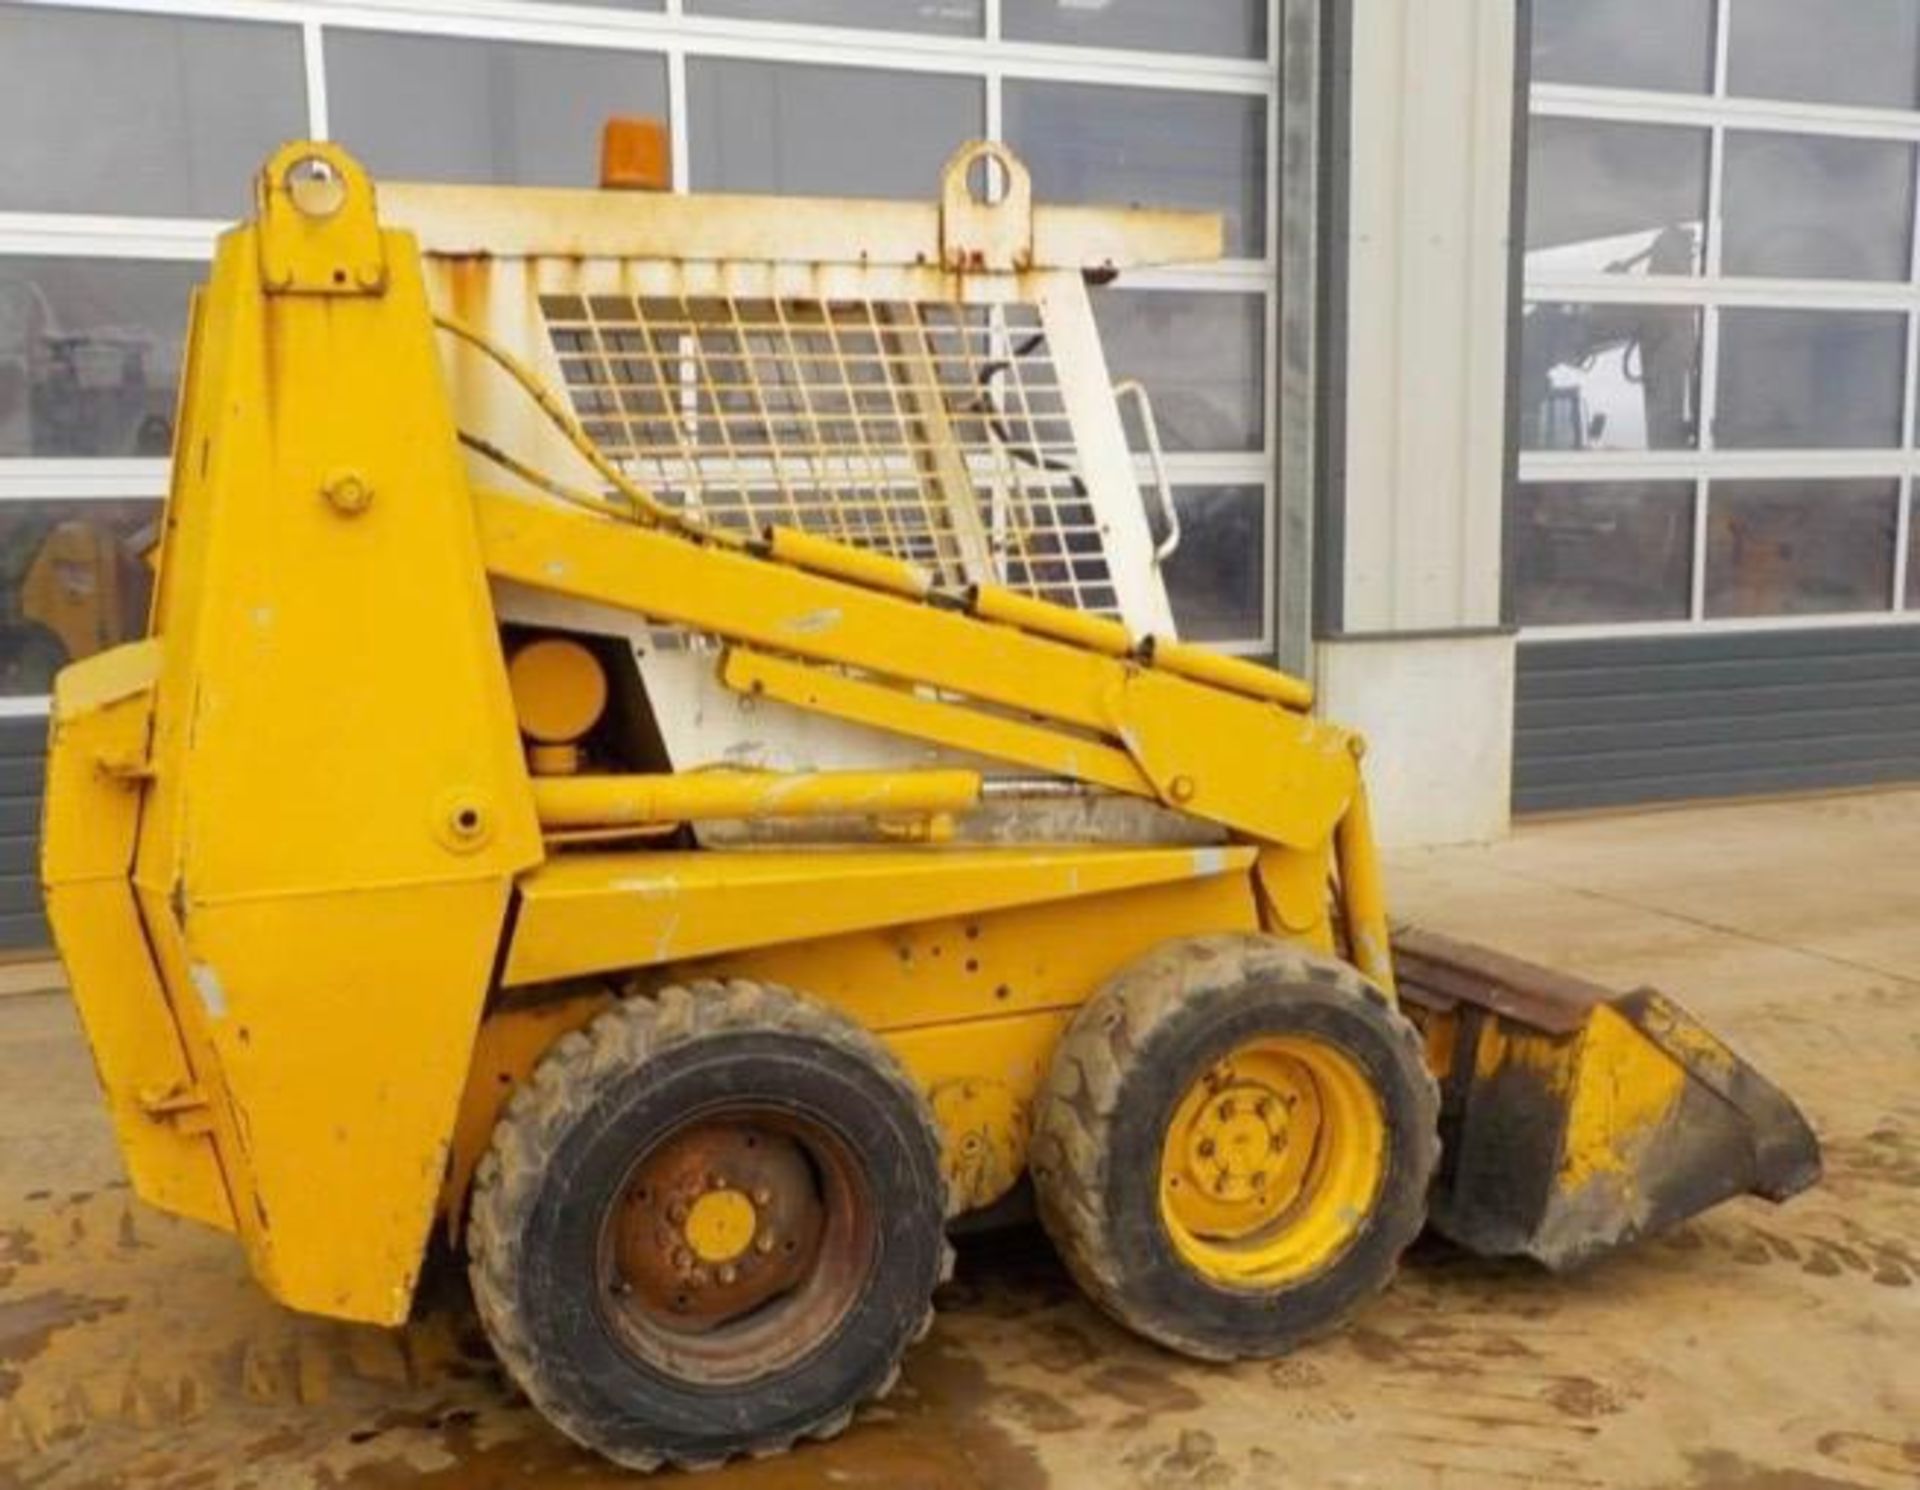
x,y
1272,1162
736,1245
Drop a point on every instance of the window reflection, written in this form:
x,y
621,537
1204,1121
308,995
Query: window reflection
x,y
1094,143
1864,52
90,355
432,108
1783,548
1602,551
943,17
1625,43
1615,198
1227,28
1217,576
1804,207
1610,377
141,114
1200,355
817,131
74,580
1810,379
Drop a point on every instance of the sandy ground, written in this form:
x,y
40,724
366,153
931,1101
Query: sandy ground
x,y
1754,1349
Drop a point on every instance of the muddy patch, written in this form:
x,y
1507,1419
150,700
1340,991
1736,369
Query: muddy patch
x,y
28,1325
1717,1469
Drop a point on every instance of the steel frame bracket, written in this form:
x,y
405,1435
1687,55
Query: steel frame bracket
x,y
979,234
318,233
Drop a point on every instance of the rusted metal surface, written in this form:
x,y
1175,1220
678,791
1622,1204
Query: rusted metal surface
x,y
727,1305
670,1278
1440,973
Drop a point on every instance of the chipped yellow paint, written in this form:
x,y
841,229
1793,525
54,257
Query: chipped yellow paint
x,y
1626,1086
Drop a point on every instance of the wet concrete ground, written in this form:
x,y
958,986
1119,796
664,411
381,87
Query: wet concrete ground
x,y
1754,1349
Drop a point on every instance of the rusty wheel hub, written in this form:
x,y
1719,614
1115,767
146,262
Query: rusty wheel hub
x,y
716,1222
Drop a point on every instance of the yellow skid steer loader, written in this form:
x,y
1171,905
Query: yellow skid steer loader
x,y
661,752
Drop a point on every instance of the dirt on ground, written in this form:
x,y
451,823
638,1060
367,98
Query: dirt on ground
x,y
1752,1349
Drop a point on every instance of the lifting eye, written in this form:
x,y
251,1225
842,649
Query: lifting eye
x,y
315,186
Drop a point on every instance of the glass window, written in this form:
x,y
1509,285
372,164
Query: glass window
x,y
141,115
1810,379
1113,146
1216,578
1624,43
1225,28
1601,551
433,108
1609,377
939,17
1201,358
1809,207
1794,548
90,355
74,580
1863,52
1615,198
825,131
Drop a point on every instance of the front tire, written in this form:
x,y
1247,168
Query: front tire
x,y
710,1224
1234,1145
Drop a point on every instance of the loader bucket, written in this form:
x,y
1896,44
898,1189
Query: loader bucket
x,y
1575,1120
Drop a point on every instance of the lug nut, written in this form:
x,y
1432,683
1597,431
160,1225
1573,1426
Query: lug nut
x,y
763,1196
728,1274
764,1244
677,1213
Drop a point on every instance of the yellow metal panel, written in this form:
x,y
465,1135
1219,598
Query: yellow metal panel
x,y
1363,894
880,706
696,796
338,802
1243,762
1624,1087
337,1032
973,1004
101,715
860,566
589,913
783,609
953,969
1254,766
1235,674
508,1047
1044,618
514,222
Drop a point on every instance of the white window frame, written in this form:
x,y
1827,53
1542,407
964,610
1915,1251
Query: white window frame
x,y
675,35
1711,292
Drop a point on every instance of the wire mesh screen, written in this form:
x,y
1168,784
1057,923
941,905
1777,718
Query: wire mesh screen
x,y
929,430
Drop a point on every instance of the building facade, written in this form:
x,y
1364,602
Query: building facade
x,y
1434,426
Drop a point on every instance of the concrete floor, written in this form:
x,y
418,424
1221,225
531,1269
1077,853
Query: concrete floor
x,y
1754,1349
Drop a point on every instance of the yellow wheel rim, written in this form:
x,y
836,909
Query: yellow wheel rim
x,y
1272,1162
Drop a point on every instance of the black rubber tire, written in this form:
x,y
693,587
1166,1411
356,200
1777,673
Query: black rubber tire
x,y
604,1095
1116,1080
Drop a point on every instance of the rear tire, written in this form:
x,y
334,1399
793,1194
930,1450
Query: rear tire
x,y
710,1224
1234,1145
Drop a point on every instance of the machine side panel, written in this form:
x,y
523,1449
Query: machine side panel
x,y
337,803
